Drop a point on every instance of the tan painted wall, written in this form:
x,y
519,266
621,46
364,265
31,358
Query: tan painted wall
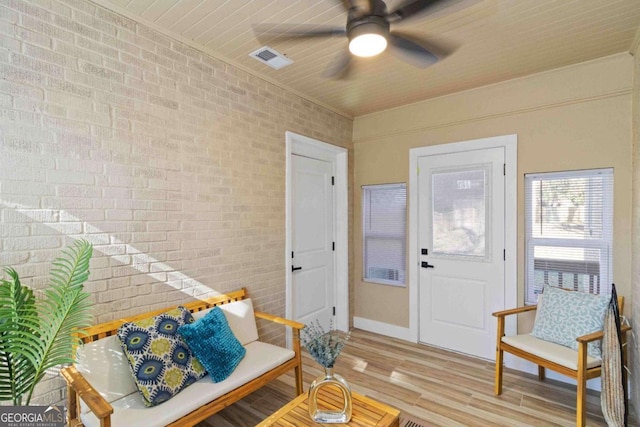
x,y
572,118
634,348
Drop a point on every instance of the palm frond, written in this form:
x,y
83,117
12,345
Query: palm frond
x,y
36,335
65,307
18,337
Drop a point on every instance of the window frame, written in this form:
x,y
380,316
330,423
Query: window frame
x,y
366,189
603,243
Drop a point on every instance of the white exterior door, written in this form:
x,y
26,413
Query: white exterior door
x,y
461,242
312,232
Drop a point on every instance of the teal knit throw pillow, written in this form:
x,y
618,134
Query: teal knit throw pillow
x,y
562,316
212,341
160,361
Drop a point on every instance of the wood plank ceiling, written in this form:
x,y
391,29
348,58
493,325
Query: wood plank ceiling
x,y
490,41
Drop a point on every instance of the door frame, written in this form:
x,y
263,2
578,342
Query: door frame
x,y
337,156
510,145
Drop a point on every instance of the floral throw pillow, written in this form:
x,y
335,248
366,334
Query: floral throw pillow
x,y
562,316
160,361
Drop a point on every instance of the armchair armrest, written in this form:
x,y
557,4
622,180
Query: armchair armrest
x,y
85,391
594,336
281,320
501,315
518,310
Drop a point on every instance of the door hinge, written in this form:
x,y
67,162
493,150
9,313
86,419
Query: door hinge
x,y
334,311
504,169
504,254
333,246
333,180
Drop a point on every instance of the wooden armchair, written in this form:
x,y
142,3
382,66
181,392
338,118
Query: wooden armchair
x,y
547,355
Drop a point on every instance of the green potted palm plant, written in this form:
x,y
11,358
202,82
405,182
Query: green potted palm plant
x,y
37,334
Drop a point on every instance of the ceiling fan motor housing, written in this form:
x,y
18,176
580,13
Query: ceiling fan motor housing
x,y
368,36
370,24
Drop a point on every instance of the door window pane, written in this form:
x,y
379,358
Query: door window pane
x,y
459,213
384,213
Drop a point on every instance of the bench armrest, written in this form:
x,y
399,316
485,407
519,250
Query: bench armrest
x,y
296,327
281,320
85,391
518,310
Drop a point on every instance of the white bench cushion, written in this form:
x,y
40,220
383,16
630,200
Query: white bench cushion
x,y
105,366
241,319
556,353
129,411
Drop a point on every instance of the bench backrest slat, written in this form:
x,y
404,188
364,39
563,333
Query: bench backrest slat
x,y
107,329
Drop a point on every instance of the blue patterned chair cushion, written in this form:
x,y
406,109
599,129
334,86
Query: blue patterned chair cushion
x,y
160,361
562,316
213,343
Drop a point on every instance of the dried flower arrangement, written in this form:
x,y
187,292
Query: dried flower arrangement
x,y
324,347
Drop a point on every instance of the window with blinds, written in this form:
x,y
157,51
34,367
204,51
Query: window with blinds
x,y
384,218
569,231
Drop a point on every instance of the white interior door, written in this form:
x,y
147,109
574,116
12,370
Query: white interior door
x,y
461,226
312,244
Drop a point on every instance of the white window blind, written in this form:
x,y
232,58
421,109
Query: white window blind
x,y
569,231
384,217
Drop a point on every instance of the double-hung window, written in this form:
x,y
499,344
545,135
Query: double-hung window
x,y
569,231
384,213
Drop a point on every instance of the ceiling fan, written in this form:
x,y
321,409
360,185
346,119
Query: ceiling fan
x,y
369,32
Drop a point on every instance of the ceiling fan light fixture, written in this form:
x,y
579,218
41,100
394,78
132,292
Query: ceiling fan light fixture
x,y
368,45
367,39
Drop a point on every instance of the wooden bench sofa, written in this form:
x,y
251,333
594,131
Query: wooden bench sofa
x,y
100,390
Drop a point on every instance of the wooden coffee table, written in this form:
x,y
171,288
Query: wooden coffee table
x,y
366,411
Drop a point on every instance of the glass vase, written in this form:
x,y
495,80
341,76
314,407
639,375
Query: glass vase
x,y
323,416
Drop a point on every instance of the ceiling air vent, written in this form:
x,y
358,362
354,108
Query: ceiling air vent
x,y
271,57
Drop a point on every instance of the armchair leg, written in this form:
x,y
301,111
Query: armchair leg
x,y
581,403
499,368
497,389
541,373
581,379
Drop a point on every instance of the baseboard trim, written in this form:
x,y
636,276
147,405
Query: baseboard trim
x,y
382,328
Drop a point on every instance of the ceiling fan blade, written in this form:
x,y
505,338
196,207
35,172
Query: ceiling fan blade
x,y
418,8
410,51
339,67
297,31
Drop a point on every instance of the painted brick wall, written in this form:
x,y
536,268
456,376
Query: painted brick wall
x,y
171,162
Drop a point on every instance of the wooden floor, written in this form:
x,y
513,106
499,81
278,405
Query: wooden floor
x,y
430,386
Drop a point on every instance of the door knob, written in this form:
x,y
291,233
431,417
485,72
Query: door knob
x,y
295,268
425,264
